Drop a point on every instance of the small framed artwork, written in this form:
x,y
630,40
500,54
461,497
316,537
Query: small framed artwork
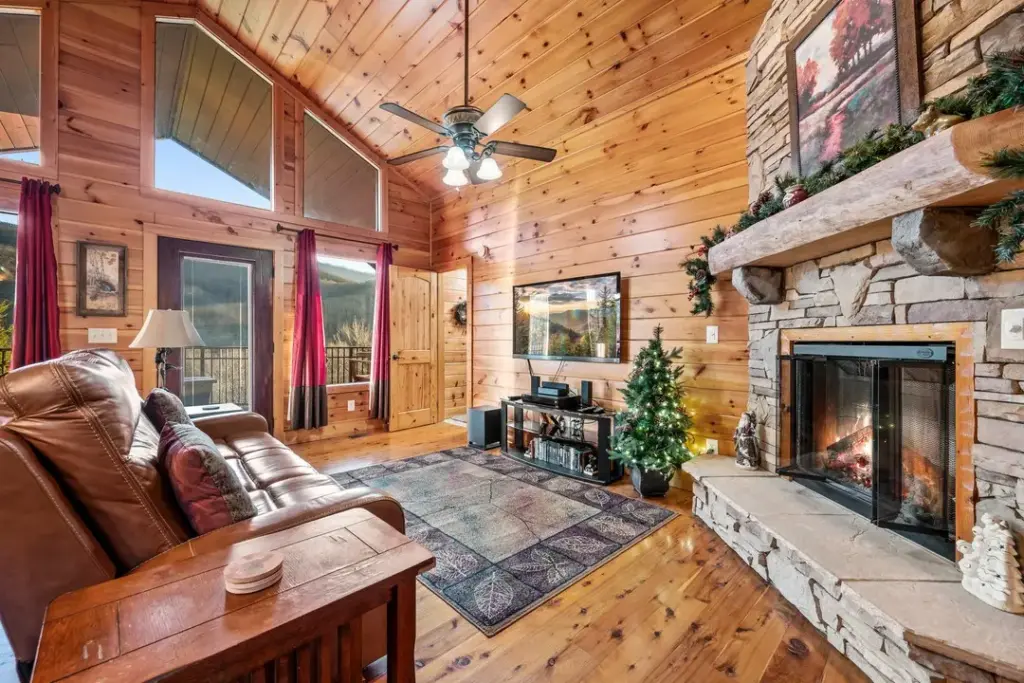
x,y
102,279
852,69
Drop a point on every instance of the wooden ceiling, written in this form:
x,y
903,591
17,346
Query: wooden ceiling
x,y
574,62
19,82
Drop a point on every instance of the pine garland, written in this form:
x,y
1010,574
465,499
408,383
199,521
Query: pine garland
x,y
654,430
1000,87
1006,216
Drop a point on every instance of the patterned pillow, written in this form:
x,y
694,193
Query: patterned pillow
x,y
208,492
162,407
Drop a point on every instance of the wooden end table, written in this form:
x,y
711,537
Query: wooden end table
x,y
176,622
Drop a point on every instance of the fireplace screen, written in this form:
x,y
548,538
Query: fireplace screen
x,y
872,426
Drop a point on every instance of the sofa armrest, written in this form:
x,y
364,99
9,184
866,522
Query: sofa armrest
x,y
223,426
379,504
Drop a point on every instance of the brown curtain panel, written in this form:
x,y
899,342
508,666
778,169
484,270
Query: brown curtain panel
x,y
380,355
308,409
36,323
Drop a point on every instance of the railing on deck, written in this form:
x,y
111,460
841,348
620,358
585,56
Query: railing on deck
x,y
5,361
348,364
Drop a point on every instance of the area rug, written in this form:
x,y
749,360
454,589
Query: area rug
x,y
507,536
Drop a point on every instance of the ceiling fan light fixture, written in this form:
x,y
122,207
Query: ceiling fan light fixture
x,y
455,178
489,169
455,159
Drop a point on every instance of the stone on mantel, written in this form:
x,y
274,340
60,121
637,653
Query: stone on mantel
x,y
759,285
944,242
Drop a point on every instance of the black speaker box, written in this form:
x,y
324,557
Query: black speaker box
x,y
484,427
534,384
586,392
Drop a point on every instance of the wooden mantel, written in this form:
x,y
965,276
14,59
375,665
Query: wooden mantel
x,y
944,170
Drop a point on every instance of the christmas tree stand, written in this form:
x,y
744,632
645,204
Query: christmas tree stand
x,y
650,483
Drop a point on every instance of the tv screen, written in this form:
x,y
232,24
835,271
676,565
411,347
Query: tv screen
x,y
576,319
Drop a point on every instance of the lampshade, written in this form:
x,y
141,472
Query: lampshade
x,y
489,170
456,159
167,330
454,178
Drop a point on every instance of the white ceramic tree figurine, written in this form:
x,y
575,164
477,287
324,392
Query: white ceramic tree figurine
x,y
991,567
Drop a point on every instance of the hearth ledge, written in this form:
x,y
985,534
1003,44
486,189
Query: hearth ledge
x,y
895,609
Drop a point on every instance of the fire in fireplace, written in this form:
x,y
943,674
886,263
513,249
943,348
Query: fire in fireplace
x,y
872,426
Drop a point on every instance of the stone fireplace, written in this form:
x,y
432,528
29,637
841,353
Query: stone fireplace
x,y
873,427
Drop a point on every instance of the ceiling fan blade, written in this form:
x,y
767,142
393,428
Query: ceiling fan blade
x,y
514,149
472,173
416,156
399,110
500,113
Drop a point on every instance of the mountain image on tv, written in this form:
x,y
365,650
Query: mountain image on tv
x,y
569,319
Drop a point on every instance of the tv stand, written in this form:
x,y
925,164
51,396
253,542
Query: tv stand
x,y
571,428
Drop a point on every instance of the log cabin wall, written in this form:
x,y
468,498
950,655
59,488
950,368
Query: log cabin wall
x,y
454,288
99,133
953,35
651,156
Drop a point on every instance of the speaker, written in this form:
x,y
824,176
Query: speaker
x,y
586,392
534,384
484,427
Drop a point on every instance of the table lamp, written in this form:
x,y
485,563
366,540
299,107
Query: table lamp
x,y
165,330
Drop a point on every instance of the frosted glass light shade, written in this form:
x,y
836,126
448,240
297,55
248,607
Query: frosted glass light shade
x,y
455,178
489,170
455,159
167,330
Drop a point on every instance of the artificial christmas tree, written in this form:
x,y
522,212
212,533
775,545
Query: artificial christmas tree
x,y
654,430
991,567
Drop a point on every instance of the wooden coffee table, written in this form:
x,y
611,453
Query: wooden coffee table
x,y
177,623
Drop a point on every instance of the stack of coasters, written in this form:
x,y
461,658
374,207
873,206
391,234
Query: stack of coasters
x,y
253,573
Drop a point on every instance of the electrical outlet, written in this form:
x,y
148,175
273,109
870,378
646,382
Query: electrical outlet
x,y
712,337
351,406
712,447
1012,329
102,335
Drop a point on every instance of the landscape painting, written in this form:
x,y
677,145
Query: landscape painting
x,y
844,80
102,279
570,319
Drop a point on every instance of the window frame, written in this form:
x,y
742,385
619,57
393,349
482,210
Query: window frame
x,y
49,40
285,162
300,170
350,252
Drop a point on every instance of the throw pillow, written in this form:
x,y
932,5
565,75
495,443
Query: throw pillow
x,y
207,491
162,406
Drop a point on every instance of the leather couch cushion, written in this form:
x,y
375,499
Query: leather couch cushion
x,y
209,493
82,415
162,406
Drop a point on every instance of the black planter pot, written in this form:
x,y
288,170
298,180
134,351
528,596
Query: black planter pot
x,y
650,483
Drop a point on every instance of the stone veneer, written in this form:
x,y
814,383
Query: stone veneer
x,y
872,285
954,34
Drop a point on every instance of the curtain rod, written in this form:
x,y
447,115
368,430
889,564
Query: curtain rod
x,y
281,228
55,188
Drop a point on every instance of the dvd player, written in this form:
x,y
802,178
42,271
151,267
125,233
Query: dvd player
x,y
561,402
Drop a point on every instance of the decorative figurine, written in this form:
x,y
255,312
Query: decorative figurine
x,y
991,567
931,121
748,450
795,194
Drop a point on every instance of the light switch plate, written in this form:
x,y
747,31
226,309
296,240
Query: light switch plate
x,y
351,406
102,335
712,334
1013,328
712,446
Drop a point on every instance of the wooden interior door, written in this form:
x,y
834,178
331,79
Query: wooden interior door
x,y
414,356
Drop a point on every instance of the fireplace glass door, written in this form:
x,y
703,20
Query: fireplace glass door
x,y
873,427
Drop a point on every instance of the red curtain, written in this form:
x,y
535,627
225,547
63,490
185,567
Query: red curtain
x,y
308,409
36,327
380,356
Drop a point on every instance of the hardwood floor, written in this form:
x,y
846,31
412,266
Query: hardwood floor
x,y
678,606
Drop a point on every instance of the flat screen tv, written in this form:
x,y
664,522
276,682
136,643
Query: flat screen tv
x,y
577,319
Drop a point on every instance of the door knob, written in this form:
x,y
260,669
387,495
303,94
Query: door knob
x,y
394,356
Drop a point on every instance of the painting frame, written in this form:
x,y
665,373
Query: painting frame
x,y
908,68
84,308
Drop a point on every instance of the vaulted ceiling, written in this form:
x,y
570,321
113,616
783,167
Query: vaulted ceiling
x,y
574,62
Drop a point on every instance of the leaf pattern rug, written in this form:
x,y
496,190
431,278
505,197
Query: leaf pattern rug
x,y
507,536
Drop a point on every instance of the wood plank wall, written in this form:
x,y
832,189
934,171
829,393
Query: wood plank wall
x,y
101,199
636,183
453,290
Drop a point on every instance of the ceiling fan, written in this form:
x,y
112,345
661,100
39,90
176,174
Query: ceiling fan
x,y
467,125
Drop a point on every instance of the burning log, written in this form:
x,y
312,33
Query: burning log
x,y
851,444
851,456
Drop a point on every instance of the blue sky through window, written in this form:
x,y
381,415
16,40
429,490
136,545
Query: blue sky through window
x,y
180,170
29,156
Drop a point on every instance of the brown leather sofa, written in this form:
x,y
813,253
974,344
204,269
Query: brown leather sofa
x,y
82,499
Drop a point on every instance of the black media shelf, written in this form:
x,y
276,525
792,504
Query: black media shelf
x,y
571,427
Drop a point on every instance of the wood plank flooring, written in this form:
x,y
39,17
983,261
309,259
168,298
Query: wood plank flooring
x,y
677,607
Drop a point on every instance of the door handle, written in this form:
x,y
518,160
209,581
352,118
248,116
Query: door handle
x,y
394,356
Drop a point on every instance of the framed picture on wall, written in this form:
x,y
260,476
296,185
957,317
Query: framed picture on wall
x,y
853,68
102,279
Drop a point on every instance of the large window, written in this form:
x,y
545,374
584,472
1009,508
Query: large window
x,y
19,86
8,253
213,119
338,184
347,289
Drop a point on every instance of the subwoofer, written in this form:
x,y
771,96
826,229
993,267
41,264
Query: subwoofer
x,y
484,426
